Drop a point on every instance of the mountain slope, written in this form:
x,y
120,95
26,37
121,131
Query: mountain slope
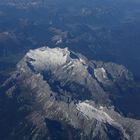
x,y
58,94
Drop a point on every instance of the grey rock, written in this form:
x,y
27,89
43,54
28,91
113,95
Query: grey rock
x,y
52,88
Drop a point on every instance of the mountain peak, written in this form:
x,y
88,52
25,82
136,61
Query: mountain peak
x,y
60,85
47,58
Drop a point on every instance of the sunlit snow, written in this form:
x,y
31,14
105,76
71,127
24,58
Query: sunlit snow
x,y
47,58
100,74
91,112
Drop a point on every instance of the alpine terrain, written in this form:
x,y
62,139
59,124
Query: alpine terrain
x,y
57,94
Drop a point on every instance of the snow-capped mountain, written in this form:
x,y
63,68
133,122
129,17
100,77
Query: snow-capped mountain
x,y
58,94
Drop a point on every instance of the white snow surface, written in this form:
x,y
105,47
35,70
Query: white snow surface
x,y
91,112
48,58
100,74
54,59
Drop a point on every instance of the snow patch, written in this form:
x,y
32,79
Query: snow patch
x,y
90,112
53,59
100,74
59,41
47,58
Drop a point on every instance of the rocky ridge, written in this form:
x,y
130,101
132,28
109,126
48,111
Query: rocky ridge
x,y
56,90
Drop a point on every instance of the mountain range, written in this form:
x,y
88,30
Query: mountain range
x,y
57,94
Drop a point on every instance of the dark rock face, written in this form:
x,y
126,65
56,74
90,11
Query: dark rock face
x,y
56,94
